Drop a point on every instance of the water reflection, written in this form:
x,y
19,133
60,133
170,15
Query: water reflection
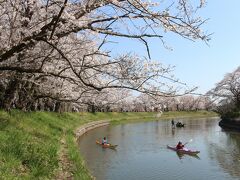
x,y
173,131
182,156
226,152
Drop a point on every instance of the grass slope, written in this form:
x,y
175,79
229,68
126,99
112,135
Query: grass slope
x,y
32,144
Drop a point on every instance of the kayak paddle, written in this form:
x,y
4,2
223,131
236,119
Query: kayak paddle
x,y
188,142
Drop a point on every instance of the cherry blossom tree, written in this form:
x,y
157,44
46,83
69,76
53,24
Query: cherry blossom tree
x,y
54,51
227,94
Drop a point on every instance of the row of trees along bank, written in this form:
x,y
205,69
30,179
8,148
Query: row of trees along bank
x,y
53,54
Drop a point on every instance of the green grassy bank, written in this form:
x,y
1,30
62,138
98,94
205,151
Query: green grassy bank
x,y
41,145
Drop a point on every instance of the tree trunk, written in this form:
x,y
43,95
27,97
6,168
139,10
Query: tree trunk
x,y
10,94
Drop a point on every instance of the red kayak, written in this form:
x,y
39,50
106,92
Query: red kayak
x,y
106,145
185,151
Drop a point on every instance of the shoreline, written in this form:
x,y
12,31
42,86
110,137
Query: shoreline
x,y
230,125
89,126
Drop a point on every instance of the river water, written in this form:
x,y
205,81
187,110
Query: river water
x,y
142,153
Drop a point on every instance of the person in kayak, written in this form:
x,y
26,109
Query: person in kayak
x,y
104,141
179,145
173,123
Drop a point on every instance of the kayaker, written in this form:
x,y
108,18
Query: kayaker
x,y
104,141
173,124
179,145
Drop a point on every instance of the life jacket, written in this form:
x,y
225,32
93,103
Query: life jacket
x,y
180,146
104,141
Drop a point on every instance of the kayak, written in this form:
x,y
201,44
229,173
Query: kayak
x,y
179,124
185,151
106,145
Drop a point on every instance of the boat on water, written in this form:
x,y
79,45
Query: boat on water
x,y
184,151
106,145
179,124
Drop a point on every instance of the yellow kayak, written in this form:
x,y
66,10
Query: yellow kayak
x,y
106,145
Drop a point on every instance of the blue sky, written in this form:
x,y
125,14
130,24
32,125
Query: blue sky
x,y
196,63
204,66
